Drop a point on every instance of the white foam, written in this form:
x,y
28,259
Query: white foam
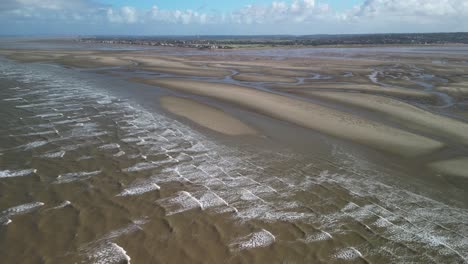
x,y
319,236
141,167
20,209
347,254
262,238
36,105
62,205
109,253
16,173
51,132
72,109
104,102
119,154
109,146
75,176
139,189
382,222
13,99
84,158
248,195
49,115
374,77
198,147
34,144
183,201
211,199
77,120
54,155
131,140
133,227
145,165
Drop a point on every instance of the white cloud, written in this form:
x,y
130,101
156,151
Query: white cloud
x,y
413,7
124,14
177,16
48,4
411,15
278,12
294,17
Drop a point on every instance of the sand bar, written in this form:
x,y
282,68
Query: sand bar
x,y
410,116
454,167
454,90
306,114
206,116
171,66
394,91
262,78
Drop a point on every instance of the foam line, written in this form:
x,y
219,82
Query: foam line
x,y
119,154
109,253
182,202
18,210
75,176
62,205
139,189
16,173
37,134
319,236
348,254
34,144
109,146
49,115
262,238
53,155
211,199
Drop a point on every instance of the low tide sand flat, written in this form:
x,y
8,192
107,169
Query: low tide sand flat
x,y
120,171
457,90
165,65
407,114
291,73
317,117
454,167
372,89
262,78
206,116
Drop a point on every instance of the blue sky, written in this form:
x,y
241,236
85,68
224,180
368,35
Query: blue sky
x,y
239,17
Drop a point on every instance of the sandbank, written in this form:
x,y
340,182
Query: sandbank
x,y
262,78
407,114
323,119
206,116
373,89
454,167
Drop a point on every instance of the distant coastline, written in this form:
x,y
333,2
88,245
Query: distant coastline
x,y
236,42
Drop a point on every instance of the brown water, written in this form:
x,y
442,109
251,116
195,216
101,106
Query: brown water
x,y
91,174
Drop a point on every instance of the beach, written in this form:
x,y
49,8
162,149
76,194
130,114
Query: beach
x,y
179,155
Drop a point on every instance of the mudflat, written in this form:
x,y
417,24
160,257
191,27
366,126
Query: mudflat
x,y
174,155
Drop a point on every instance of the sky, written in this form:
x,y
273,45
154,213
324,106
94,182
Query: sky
x,y
226,17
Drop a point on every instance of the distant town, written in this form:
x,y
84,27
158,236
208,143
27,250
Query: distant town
x,y
231,42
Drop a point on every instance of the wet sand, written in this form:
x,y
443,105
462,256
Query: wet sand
x,y
314,116
454,167
206,116
262,78
406,114
267,156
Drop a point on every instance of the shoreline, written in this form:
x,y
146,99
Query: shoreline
x,y
309,115
258,77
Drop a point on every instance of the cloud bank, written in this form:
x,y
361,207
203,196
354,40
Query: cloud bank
x,y
293,17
